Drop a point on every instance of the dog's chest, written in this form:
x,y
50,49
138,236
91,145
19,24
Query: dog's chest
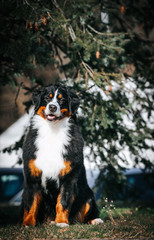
x,y
50,143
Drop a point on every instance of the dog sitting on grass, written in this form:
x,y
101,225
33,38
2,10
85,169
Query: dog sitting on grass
x,y
55,184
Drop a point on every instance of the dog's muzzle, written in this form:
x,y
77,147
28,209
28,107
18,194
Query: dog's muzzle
x,y
52,111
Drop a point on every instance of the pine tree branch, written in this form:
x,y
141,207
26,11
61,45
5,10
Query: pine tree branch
x,y
19,87
107,33
88,69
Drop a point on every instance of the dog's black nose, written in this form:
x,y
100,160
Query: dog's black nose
x,y
52,108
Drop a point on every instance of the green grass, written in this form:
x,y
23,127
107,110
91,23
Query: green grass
x,y
127,224
115,213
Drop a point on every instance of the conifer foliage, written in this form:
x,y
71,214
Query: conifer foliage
x,y
106,66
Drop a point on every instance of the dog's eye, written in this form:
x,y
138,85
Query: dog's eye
x,y
48,98
59,96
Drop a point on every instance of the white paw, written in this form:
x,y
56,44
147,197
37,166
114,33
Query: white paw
x,y
62,225
97,221
52,222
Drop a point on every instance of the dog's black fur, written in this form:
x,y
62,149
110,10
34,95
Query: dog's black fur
x,y
68,199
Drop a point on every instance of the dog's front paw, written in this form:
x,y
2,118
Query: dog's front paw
x,y
62,225
96,221
29,221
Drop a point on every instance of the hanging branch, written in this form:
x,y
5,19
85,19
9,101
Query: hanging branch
x,y
73,37
72,33
88,69
105,34
60,59
19,87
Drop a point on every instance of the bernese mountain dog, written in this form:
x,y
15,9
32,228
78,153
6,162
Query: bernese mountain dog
x,y
55,184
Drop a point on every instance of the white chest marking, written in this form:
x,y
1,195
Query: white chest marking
x,y
50,143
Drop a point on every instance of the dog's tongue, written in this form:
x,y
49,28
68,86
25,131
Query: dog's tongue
x,y
51,117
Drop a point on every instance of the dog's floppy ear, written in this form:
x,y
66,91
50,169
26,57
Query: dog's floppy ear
x,y
73,102
36,98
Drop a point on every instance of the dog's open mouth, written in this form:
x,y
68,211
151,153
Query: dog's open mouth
x,y
51,117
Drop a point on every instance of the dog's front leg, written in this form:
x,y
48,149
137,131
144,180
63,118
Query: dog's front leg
x,y
64,203
30,214
32,196
61,213
65,198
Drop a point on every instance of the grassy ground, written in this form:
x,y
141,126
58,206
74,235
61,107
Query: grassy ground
x,y
118,224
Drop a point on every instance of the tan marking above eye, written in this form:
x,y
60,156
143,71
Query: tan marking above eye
x,y
59,96
50,95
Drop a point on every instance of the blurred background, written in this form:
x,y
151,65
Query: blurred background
x,y
104,50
